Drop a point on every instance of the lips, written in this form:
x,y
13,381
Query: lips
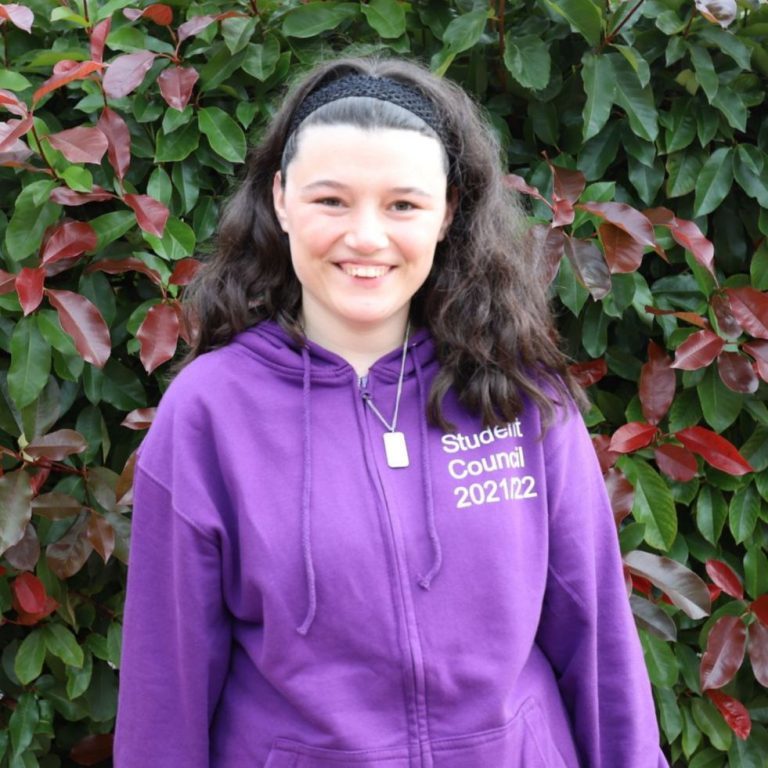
x,y
365,270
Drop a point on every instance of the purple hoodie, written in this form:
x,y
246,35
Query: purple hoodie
x,y
293,602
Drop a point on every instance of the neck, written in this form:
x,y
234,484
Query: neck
x,y
361,346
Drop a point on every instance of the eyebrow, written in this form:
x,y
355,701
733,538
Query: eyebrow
x,y
338,185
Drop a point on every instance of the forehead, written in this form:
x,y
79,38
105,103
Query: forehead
x,y
344,149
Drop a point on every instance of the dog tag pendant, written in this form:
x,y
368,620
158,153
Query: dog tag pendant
x,y
396,450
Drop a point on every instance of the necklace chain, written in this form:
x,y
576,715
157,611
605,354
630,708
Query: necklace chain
x,y
393,426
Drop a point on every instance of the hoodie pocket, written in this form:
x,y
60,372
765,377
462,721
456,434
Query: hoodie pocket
x,y
292,754
524,742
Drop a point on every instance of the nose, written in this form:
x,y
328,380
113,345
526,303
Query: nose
x,y
367,232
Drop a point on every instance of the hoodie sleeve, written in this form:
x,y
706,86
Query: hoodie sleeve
x,y
587,630
176,635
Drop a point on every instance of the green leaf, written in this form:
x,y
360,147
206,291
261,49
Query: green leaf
x,y
313,18
728,43
527,58
177,145
30,362
594,331
711,513
173,118
122,388
681,130
261,58
660,661
32,214
755,571
743,512
720,405
654,506
758,267
636,100
731,104
237,32
712,724
225,136
583,15
637,62
464,31
114,643
669,713
646,181
79,678
28,664
111,226
101,695
186,182
714,182
705,70
63,644
177,242
755,449
386,17
683,169
13,81
78,178
749,169
23,723
570,291
159,186
600,87
746,754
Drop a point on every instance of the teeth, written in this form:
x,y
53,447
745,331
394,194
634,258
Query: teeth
x,y
364,271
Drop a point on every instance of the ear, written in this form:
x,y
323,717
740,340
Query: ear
x,y
452,203
278,200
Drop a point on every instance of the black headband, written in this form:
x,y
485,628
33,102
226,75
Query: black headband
x,y
381,88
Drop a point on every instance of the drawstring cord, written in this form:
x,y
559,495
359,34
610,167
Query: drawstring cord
x,y
426,581
306,542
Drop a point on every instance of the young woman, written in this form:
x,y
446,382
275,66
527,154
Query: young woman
x,y
369,527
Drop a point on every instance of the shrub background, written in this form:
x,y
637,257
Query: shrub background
x,y
122,127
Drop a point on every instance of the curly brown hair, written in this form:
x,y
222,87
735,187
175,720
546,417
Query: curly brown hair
x,y
485,301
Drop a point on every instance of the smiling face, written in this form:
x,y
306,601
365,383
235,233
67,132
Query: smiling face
x,y
363,211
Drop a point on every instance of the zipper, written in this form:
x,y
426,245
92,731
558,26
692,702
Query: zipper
x,y
415,657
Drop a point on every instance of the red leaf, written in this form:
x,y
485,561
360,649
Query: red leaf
x,y
563,213
589,265
25,554
588,372
657,384
689,317
29,619
67,240
760,608
623,216
605,456
621,493
729,326
66,196
11,102
184,271
19,15
160,13
119,266
29,287
676,462
725,578
698,350
99,35
548,243
519,184
29,592
737,373
66,72
57,445
566,184
158,336
689,236
69,554
101,535
750,308
714,592
151,214
12,130
80,145
186,330
141,418
118,139
7,282
734,713
194,25
92,749
641,584
176,84
126,73
633,436
759,351
37,481
84,323
622,252
758,652
714,449
725,651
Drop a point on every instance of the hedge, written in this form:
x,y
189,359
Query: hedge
x,y
637,131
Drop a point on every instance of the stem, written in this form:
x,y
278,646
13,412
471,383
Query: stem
x,y
85,13
254,7
611,36
42,153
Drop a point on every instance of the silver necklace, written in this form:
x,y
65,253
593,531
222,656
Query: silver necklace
x,y
394,441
